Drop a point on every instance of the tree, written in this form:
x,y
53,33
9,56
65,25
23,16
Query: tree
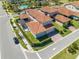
x,y
75,46
71,50
57,2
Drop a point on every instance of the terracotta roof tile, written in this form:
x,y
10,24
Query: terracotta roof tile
x,y
62,18
23,16
49,9
38,15
64,11
36,27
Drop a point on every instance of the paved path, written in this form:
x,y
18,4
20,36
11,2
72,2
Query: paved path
x,y
8,49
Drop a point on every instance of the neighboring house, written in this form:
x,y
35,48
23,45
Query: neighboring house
x,y
60,19
64,11
37,29
39,16
24,18
48,9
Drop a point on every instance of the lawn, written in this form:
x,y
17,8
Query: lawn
x,y
75,23
32,38
65,55
64,1
18,36
63,31
43,44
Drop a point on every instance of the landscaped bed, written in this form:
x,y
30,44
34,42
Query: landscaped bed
x,y
63,31
18,36
66,55
75,23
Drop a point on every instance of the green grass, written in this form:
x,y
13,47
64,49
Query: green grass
x,y
63,31
32,38
18,36
43,44
64,1
65,55
75,23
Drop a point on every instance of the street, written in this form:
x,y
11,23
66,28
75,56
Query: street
x,y
8,49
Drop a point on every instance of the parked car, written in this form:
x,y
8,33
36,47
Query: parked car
x,y
16,40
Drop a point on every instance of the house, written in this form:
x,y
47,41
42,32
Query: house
x,y
48,10
73,8
24,18
60,19
37,29
64,11
39,16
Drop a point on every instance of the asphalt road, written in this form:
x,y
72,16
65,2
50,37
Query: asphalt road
x,y
59,46
8,49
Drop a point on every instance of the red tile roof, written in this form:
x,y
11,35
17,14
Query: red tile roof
x,y
62,18
64,11
36,27
49,9
38,15
23,16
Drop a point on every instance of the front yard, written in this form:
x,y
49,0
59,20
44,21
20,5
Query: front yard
x,y
18,36
75,23
63,31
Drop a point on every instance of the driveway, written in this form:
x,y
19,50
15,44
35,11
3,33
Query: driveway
x,y
56,37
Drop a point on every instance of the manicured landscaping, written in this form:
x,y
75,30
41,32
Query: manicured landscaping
x,y
43,44
66,55
7,6
32,38
75,23
18,36
63,31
